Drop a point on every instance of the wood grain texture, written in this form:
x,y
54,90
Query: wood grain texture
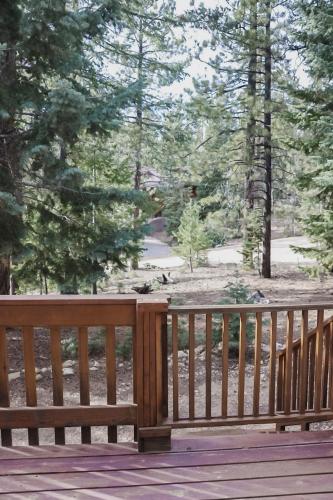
x,y
304,359
191,366
83,355
6,435
241,364
208,365
318,394
272,363
294,465
288,362
225,364
57,378
30,377
68,416
257,362
175,383
111,376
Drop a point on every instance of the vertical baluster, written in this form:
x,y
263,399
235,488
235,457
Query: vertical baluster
x,y
303,364
175,389
191,367
294,377
318,362
57,379
153,328
134,375
272,363
6,434
325,367
241,364
84,379
30,377
257,361
225,365
146,367
279,383
111,376
165,368
330,367
312,355
288,362
208,366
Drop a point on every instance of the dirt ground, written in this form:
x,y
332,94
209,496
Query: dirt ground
x,y
204,286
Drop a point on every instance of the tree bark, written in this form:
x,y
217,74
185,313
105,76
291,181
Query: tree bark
x,y
9,151
248,244
5,276
266,256
139,126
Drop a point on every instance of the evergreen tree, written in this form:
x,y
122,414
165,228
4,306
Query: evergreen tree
x,y
51,94
247,55
146,55
314,113
191,235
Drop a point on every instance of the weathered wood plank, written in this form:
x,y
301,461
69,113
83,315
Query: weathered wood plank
x,y
259,455
272,363
318,392
57,378
304,362
191,366
257,361
225,365
67,416
111,376
83,355
30,379
208,365
80,314
241,364
288,362
157,476
6,435
175,384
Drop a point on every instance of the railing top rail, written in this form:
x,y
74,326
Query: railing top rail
x,y
250,308
107,299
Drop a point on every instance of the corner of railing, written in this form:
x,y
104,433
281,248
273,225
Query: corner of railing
x,y
151,351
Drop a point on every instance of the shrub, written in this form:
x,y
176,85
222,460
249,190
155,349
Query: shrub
x,y
237,293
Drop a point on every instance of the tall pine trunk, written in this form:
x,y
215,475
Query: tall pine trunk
x,y
139,127
248,244
8,149
266,256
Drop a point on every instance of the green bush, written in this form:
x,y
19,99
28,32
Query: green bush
x,y
237,293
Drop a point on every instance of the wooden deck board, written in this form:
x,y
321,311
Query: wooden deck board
x,y
289,465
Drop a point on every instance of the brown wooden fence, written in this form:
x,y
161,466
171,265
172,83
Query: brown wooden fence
x,y
28,315
298,389
293,386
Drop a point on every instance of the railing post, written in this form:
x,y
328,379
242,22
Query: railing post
x,y
150,374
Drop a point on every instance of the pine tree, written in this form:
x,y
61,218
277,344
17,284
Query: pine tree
x,y
50,95
146,54
191,235
314,113
247,55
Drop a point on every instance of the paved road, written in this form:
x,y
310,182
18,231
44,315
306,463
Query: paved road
x,y
161,255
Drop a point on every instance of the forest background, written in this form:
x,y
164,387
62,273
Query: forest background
x,y
106,121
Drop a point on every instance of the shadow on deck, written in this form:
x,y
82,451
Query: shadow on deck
x,y
296,465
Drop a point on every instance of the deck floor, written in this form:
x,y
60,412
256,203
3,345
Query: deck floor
x,y
296,465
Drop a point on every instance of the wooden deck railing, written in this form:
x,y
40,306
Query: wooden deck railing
x,y
310,362
27,315
294,385
299,388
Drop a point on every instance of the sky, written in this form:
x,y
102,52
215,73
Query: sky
x,y
196,68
